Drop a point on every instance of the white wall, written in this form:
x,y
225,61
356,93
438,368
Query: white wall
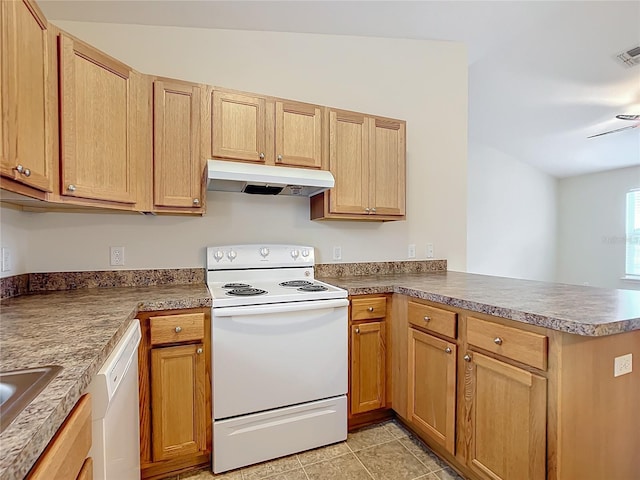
x,y
591,231
422,82
14,236
511,211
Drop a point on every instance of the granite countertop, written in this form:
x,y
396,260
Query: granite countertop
x,y
77,330
580,310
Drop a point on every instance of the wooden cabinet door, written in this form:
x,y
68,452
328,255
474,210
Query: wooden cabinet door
x,y
368,365
177,161
178,414
507,420
298,134
387,164
26,103
95,125
349,162
238,126
432,387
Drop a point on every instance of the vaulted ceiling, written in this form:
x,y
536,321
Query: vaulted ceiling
x,y
542,75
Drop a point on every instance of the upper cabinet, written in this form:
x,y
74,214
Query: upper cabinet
x,y
252,128
178,163
95,125
367,159
28,111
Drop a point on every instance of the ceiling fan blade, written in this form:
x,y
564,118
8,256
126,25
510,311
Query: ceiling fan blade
x,y
614,131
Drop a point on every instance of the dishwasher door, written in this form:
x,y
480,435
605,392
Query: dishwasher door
x,y
116,426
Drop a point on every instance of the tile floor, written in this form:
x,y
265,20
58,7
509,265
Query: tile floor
x,y
385,451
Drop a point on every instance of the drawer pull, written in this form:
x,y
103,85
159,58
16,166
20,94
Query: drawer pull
x,y
427,318
497,341
357,330
447,350
467,358
370,309
178,329
199,351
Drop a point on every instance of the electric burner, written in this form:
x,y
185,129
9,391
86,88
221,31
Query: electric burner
x,y
236,285
296,283
313,288
246,292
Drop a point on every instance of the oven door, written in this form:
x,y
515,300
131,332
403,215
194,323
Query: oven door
x,y
270,356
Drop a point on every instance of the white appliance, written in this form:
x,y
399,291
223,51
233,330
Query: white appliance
x,y
115,416
279,354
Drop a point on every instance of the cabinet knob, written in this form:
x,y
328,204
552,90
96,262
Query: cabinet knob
x,y
71,188
367,209
497,341
427,318
19,168
196,201
199,351
27,172
279,158
370,309
178,329
467,358
261,156
357,330
373,210
447,350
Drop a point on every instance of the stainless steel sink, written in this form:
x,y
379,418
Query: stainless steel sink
x,y
19,387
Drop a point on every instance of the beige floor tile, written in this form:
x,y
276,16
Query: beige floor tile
x,y
271,468
346,467
396,429
428,476
208,475
368,437
323,453
423,453
292,475
391,461
448,474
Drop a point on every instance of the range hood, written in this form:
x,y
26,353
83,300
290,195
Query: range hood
x,y
227,176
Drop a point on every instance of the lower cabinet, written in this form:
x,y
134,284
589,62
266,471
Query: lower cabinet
x,y
432,387
175,391
65,458
507,420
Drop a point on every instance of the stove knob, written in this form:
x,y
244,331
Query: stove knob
x,y
231,255
219,255
305,252
264,251
295,254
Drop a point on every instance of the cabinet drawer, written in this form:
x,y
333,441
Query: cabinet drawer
x,y
434,319
368,308
177,328
522,346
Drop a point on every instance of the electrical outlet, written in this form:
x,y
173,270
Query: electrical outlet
x,y
411,251
623,365
429,250
6,259
117,256
337,253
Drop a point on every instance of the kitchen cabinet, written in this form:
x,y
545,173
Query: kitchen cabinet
x,y
65,458
368,359
253,128
175,391
432,387
507,419
26,97
178,162
96,128
367,158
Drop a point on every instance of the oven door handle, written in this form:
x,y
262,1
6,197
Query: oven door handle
x,y
280,307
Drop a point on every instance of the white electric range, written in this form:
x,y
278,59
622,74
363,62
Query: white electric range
x,y
279,341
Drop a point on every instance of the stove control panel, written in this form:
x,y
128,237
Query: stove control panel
x,y
228,257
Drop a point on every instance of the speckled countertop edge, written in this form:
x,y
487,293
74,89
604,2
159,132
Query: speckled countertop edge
x,y
49,329
586,311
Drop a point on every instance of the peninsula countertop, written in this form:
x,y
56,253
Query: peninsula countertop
x,y
77,330
575,309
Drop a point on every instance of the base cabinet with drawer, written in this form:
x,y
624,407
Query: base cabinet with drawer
x,y
368,359
175,391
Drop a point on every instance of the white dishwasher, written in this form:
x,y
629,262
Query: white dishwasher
x,y
115,412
